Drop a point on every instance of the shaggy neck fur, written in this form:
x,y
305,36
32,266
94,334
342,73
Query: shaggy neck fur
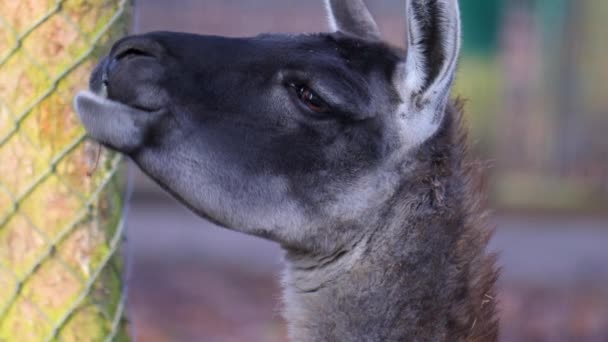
x,y
422,272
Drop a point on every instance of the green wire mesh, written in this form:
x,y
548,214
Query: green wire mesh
x,y
60,196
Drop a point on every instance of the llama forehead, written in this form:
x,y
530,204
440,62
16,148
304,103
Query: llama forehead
x,y
320,51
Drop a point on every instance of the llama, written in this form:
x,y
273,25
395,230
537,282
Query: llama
x,y
346,151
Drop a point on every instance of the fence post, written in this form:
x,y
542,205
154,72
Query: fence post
x,y
60,223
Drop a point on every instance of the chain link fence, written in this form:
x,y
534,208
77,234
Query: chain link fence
x,y
60,196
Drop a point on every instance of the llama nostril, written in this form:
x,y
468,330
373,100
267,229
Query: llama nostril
x,y
131,49
135,47
132,52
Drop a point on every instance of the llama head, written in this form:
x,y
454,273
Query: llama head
x,y
297,138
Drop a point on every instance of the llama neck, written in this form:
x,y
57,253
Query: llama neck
x,y
400,285
422,274
421,271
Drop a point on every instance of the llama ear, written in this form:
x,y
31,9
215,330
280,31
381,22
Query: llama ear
x,y
352,17
424,78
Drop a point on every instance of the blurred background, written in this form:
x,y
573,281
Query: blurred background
x,y
534,73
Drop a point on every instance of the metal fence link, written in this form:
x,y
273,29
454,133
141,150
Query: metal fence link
x,y
60,223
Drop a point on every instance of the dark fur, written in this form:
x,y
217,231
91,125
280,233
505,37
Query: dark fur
x,y
374,200
455,198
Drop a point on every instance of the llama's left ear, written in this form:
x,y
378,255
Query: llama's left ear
x,y
425,76
352,17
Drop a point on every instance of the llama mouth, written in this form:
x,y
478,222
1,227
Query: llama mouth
x,y
104,93
112,123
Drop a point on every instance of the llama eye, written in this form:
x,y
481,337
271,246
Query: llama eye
x,y
313,101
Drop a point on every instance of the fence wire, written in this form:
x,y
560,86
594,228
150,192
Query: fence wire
x,y
60,224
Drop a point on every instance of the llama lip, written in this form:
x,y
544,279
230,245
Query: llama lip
x,y
103,94
112,123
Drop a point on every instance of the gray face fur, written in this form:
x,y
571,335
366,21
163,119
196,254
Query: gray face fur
x,y
225,125
341,148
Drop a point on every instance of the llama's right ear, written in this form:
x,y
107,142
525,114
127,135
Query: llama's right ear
x,y
352,17
424,78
